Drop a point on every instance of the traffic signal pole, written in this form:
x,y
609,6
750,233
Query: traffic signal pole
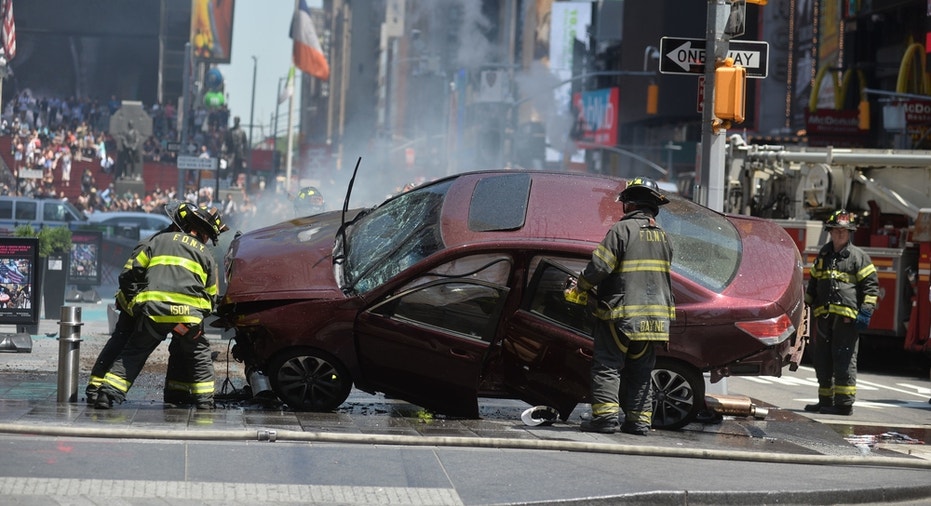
x,y
709,190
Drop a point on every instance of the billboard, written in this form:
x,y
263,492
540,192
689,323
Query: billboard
x,y
84,269
19,258
596,116
212,30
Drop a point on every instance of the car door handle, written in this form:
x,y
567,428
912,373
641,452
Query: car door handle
x,y
585,353
459,353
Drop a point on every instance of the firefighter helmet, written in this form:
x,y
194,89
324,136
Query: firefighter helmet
x,y
188,217
308,199
841,219
539,415
642,190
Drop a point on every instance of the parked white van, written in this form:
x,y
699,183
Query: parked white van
x,y
51,212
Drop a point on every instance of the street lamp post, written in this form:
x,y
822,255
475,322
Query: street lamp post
x,y
255,64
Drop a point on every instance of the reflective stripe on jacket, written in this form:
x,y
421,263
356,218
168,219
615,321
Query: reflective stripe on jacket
x,y
842,283
631,270
180,279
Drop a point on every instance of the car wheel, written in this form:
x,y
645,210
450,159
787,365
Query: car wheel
x,y
678,394
310,380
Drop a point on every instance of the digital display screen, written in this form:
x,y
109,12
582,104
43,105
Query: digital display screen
x,y
19,259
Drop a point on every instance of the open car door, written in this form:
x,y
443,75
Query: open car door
x,y
547,348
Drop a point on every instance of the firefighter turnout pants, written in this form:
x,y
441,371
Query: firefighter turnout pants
x,y
124,328
190,378
189,359
622,372
834,356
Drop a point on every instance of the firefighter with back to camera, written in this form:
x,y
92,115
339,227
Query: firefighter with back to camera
x,y
130,283
843,290
180,290
630,269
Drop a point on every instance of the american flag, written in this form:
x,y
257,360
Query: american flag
x,y
8,31
10,273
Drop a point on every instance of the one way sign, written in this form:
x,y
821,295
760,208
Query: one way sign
x,y
687,56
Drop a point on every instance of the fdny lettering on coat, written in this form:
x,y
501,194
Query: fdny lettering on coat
x,y
652,235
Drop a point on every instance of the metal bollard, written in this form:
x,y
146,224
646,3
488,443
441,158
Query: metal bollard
x,y
69,353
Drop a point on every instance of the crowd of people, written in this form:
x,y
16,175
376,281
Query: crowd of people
x,y
48,135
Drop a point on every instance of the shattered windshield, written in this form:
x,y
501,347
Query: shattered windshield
x,y
394,236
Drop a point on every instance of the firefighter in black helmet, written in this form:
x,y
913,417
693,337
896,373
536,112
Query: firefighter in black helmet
x,y
843,290
130,282
180,290
630,269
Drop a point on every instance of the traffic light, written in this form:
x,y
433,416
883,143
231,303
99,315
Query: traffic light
x,y
652,98
864,115
730,83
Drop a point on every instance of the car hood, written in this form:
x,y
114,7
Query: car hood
x,y
290,260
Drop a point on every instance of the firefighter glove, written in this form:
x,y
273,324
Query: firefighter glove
x,y
572,292
863,318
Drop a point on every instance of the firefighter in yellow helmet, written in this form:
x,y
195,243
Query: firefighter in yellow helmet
x,y
179,290
308,201
843,290
630,269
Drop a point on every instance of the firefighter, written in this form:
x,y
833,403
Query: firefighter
x,y
842,291
130,282
308,201
630,269
179,291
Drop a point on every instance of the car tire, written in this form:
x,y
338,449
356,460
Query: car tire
x,y
307,379
678,394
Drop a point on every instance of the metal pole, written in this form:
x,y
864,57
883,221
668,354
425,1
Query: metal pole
x,y
255,65
69,353
183,114
710,191
288,156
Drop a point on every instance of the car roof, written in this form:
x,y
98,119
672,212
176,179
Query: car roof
x,y
530,205
106,215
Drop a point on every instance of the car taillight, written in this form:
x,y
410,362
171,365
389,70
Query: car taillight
x,y
771,331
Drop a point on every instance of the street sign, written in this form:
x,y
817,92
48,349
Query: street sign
x,y
687,56
196,163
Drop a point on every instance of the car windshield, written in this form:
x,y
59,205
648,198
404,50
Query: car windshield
x,y
706,246
394,236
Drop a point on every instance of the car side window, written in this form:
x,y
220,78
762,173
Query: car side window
x,y
470,309
544,296
6,209
26,211
53,212
464,296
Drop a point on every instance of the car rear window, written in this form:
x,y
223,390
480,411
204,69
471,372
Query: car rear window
x,y
706,247
499,203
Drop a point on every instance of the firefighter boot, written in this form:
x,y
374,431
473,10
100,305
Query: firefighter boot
x,y
837,410
603,425
636,429
103,401
823,402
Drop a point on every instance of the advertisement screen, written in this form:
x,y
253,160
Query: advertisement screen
x,y
212,30
19,259
85,258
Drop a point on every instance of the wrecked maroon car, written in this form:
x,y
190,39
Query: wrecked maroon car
x,y
453,291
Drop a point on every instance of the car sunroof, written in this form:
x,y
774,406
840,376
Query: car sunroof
x,y
499,203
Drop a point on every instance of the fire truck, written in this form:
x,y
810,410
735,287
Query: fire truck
x,y
889,190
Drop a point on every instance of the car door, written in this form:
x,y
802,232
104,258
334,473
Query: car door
x,y
547,348
426,343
